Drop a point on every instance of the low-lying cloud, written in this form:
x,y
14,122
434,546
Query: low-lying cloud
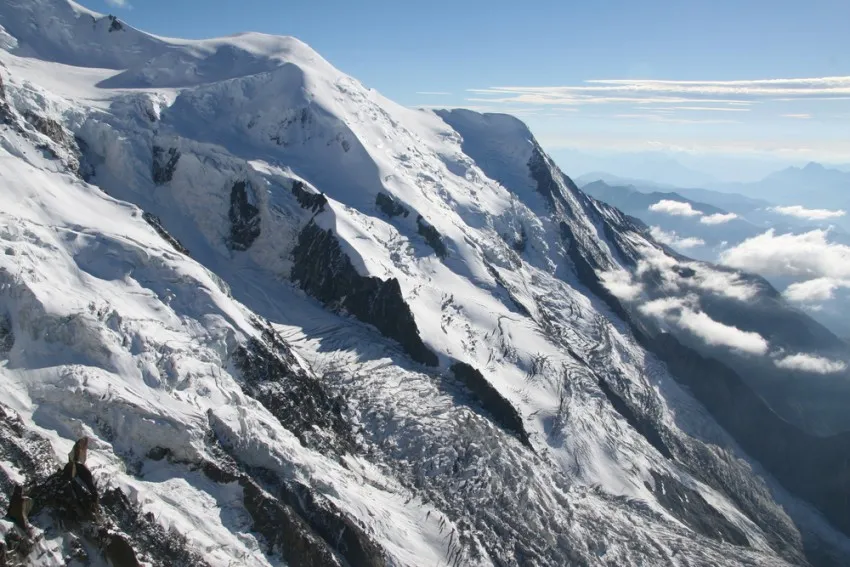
x,y
718,334
674,240
718,218
675,208
799,255
808,214
811,363
682,312
816,290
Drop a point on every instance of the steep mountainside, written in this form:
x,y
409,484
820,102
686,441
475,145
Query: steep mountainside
x,y
303,325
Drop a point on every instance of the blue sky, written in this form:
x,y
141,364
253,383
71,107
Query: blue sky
x,y
546,52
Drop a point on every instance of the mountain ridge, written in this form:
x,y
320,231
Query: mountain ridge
x,y
545,432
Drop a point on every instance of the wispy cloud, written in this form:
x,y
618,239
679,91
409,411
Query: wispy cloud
x,y
811,363
433,93
118,3
675,208
799,116
809,214
674,240
645,91
718,218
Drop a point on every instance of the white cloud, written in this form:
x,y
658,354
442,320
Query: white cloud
x,y
620,283
675,208
673,239
718,334
718,218
661,307
811,363
694,93
818,289
808,255
723,283
118,3
809,214
799,116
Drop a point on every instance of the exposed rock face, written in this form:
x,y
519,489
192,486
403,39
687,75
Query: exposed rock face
x,y
164,164
244,218
7,337
491,400
641,423
814,468
690,507
298,400
114,24
156,224
432,237
325,272
5,112
47,126
312,201
390,206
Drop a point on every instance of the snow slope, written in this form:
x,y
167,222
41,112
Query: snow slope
x,y
258,285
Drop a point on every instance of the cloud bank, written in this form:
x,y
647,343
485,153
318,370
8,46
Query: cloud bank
x,y
675,208
718,218
808,255
808,214
816,290
811,363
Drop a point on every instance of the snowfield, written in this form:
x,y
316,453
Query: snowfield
x,y
304,325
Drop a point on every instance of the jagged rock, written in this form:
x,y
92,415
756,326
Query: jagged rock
x,y
519,244
644,425
156,224
164,164
47,126
7,336
502,411
325,272
313,201
432,236
114,24
244,218
298,400
19,508
390,206
690,507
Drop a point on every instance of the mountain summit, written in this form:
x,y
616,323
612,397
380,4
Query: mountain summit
x,y
300,324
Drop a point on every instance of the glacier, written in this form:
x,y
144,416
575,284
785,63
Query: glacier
x,y
304,325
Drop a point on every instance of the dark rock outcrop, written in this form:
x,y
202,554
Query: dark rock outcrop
x,y
814,468
156,224
312,201
501,410
272,376
641,423
164,164
390,206
297,522
114,24
432,236
690,507
7,336
47,126
244,218
6,116
323,270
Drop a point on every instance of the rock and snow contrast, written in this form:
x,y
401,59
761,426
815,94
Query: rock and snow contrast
x,y
303,325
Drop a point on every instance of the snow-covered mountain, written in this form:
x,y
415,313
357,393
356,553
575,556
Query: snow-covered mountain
x,y
303,325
